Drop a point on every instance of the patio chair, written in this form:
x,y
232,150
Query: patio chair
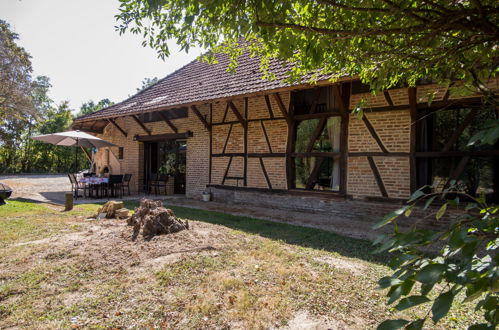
x,y
126,184
115,184
76,186
161,182
147,186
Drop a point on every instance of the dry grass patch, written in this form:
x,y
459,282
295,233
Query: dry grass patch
x,y
226,272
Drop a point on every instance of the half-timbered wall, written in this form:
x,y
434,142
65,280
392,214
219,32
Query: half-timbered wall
x,y
243,142
245,148
197,166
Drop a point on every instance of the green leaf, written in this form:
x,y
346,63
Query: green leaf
x,y
441,211
418,193
426,288
390,217
392,324
430,273
442,305
429,201
388,281
416,325
411,302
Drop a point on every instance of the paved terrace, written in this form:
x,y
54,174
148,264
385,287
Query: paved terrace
x,y
48,188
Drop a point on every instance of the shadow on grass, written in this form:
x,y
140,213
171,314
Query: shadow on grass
x,y
288,233
292,234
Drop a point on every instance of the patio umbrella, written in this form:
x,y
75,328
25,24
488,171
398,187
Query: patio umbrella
x,y
73,139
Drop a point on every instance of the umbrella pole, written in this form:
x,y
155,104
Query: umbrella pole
x,y
76,154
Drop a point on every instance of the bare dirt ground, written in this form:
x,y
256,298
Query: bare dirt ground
x,y
59,270
209,276
51,188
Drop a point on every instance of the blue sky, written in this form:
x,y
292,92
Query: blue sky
x,y
74,42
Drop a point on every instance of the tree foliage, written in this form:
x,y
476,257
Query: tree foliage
x,y
466,265
15,76
385,42
146,82
90,106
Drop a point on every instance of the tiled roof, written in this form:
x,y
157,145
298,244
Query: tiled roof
x,y
198,82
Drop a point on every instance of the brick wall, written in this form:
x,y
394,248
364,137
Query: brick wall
x,y
277,131
197,149
393,128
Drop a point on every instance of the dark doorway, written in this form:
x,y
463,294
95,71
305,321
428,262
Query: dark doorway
x,y
166,157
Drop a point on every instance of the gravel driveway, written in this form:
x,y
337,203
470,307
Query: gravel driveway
x,y
40,187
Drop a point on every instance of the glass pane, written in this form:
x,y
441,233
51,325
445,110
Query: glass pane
x,y
303,133
327,175
327,141
446,122
476,178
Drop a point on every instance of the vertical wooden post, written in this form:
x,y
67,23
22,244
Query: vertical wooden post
x,y
211,144
346,90
68,202
245,127
290,148
413,105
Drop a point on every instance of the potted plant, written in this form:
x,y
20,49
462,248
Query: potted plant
x,y
206,195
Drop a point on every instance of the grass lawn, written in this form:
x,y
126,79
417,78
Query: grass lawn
x,y
58,270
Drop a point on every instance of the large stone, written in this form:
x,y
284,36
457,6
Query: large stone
x,y
110,209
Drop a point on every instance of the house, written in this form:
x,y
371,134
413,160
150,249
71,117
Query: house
x,y
275,143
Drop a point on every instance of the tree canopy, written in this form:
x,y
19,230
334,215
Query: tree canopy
x,y
15,75
146,82
385,42
91,106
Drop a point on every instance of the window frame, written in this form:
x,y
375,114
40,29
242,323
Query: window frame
x,y
338,110
424,158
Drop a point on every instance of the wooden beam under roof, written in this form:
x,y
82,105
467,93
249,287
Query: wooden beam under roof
x,y
200,117
281,106
168,122
237,113
157,137
141,124
113,122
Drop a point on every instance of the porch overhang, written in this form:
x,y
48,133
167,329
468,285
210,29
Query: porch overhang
x,y
158,137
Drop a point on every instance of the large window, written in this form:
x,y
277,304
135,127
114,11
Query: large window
x,y
444,153
316,150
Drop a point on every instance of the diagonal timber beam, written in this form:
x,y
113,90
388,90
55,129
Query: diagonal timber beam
x,y
375,135
312,179
377,176
227,170
388,98
267,178
316,133
141,124
168,122
281,107
113,122
266,136
269,106
237,113
465,123
198,114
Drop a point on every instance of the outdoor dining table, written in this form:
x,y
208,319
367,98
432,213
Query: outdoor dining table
x,y
95,183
